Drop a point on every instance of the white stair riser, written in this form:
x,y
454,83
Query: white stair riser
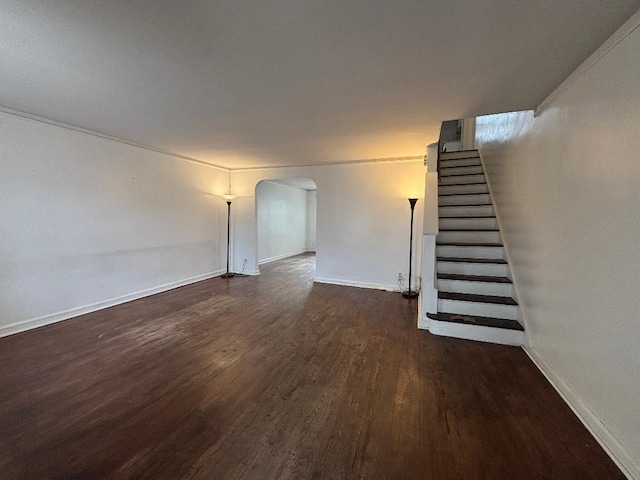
x,y
450,189
465,211
509,312
463,268
461,162
466,170
462,179
481,198
501,336
462,222
459,154
477,288
469,237
469,252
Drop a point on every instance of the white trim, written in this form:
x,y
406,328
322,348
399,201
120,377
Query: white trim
x,y
249,272
600,432
280,257
429,275
282,183
624,31
522,317
423,321
351,283
30,324
93,133
411,158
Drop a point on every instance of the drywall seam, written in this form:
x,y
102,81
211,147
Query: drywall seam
x,y
599,431
48,319
624,31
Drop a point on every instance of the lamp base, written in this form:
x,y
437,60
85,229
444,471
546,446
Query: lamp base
x,y
228,275
410,294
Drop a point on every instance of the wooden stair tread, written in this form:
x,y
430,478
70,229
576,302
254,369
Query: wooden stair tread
x,y
459,174
466,205
452,194
473,278
476,320
470,152
471,260
468,216
469,244
458,184
469,230
470,297
444,160
461,166
463,174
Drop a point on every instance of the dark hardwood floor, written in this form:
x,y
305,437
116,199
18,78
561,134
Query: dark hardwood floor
x,y
274,377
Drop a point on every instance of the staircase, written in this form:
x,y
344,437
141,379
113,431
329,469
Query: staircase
x,y
475,292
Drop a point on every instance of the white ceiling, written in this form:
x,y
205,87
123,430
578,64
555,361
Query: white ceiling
x,y
284,82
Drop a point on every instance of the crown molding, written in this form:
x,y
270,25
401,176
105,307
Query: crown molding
x,y
623,32
104,136
93,133
411,158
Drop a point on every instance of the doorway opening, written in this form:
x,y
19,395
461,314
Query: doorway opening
x,y
286,217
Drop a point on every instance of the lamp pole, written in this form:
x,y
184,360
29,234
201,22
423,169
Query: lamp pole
x,y
228,198
411,293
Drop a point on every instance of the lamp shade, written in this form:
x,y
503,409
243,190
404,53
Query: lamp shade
x,y
228,197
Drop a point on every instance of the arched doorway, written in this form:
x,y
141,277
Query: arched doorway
x,y
286,218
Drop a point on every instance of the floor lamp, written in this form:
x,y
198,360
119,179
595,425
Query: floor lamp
x,y
229,198
411,293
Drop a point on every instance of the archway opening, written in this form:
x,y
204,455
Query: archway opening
x,y
286,210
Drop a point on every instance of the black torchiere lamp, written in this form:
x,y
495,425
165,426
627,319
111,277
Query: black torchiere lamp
x,y
411,293
228,198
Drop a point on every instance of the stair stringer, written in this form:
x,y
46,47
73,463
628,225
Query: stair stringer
x,y
516,295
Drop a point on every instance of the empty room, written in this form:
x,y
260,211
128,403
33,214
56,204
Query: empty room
x,y
319,240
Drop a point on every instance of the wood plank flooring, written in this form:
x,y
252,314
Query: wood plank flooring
x,y
274,377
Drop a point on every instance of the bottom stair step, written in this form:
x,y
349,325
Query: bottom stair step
x,y
477,328
476,320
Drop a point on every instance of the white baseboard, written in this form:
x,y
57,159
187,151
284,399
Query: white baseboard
x,y
75,312
599,431
423,320
350,283
250,272
280,257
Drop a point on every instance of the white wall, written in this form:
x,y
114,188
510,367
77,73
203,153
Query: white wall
x,y
282,221
311,220
86,222
362,219
567,191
